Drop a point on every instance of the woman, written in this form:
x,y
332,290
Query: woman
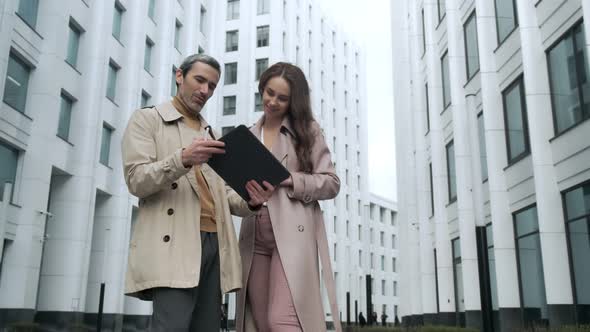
x,y
279,245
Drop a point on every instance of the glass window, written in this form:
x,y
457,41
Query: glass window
x,y
177,27
427,108
483,159
431,190
530,266
27,10
442,9
227,129
105,146
231,40
446,81
452,179
263,7
262,34
173,84
423,33
568,73
112,81
506,19
8,163
492,275
393,264
515,120
395,288
231,73
261,65
65,115
392,241
229,105
145,98
233,10
117,20
334,253
257,102
203,19
382,238
151,8
147,57
471,49
73,43
17,83
577,207
458,276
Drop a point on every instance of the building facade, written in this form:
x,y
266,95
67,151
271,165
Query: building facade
x,y
73,74
491,102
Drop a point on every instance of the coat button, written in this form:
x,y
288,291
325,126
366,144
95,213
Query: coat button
x,y
170,212
166,238
300,228
174,185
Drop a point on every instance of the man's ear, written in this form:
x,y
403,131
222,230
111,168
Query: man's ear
x,y
179,77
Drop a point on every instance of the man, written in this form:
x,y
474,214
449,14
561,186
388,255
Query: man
x,y
362,319
184,250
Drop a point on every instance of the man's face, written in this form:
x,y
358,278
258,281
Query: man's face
x,y
197,86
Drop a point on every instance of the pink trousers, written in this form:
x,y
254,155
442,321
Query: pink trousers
x,y
268,291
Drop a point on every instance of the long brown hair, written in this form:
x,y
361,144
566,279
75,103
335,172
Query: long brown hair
x,y
299,112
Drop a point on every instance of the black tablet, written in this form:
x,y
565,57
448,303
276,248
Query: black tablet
x,y
245,159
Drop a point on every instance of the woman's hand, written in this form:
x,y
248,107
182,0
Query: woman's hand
x,y
258,195
287,183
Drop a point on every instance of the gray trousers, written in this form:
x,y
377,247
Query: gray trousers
x,y
192,309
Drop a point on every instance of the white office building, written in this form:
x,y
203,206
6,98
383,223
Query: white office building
x,y
72,74
492,107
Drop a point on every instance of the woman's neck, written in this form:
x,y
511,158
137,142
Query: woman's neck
x,y
272,122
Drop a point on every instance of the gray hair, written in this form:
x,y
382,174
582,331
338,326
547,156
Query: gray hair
x,y
188,62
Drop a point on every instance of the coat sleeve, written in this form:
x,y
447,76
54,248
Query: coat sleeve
x,y
322,183
144,174
237,205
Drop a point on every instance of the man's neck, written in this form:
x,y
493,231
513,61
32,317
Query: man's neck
x,y
181,107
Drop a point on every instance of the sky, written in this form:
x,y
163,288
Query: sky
x,y
368,24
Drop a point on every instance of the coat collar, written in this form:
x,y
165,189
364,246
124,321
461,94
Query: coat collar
x,y
286,124
170,114
281,147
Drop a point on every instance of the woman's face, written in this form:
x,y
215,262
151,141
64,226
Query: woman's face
x,y
276,97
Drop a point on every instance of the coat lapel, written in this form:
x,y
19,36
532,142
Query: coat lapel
x,y
280,148
187,135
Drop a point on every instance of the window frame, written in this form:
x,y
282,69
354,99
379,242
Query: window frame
x,y
472,16
518,81
446,103
229,111
441,18
451,199
515,13
234,34
21,61
569,33
65,96
568,239
264,42
111,130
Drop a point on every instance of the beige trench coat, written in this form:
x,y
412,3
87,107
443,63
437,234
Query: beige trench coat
x,y
165,246
298,227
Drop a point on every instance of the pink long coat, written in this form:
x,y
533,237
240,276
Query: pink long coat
x,y
297,223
